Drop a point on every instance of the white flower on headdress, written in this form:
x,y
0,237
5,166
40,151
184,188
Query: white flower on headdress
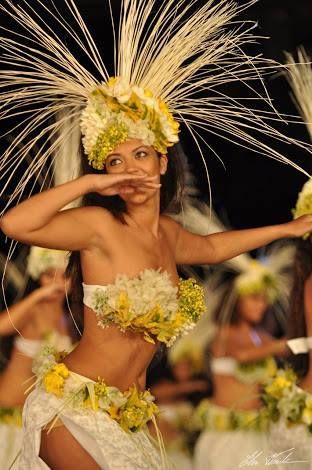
x,y
118,88
94,119
167,130
42,259
146,98
257,279
139,130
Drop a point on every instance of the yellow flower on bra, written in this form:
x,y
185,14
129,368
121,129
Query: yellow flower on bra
x,y
150,304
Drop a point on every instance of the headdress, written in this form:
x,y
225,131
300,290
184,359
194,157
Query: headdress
x,y
171,63
300,79
42,259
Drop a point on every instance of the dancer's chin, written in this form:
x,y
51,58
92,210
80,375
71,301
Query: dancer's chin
x,y
135,197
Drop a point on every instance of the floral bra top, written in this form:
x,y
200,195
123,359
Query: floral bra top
x,y
148,303
249,373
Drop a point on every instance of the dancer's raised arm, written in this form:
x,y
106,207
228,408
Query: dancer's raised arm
x,y
18,314
40,221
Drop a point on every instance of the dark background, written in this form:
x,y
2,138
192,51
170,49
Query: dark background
x,y
252,190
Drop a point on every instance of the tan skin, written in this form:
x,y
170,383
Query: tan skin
x,y
236,341
108,247
37,314
166,391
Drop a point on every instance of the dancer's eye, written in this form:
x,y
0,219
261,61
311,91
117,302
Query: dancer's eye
x,y
141,154
114,161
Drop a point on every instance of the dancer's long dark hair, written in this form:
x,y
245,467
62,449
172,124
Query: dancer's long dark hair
x,y
171,195
297,325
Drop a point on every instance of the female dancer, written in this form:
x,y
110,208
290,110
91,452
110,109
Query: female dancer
x,y
240,351
241,360
39,318
143,244
288,396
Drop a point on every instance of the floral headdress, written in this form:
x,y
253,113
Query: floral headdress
x,y
42,259
258,278
300,79
172,61
116,112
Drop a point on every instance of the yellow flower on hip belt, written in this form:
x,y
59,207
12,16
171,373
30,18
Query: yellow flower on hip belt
x,y
116,112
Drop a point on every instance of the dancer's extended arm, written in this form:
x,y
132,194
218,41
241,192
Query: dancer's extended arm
x,y
216,248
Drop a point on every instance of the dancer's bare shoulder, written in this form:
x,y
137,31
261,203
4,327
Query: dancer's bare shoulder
x,y
224,340
171,229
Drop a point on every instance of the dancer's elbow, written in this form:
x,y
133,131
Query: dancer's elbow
x,y
10,227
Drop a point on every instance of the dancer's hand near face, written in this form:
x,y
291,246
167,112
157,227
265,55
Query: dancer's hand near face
x,y
40,220
112,184
49,293
18,315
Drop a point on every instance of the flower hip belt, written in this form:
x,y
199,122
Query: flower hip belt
x,y
131,409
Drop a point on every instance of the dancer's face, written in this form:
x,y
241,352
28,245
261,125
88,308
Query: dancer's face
x,y
135,157
252,307
57,277
182,371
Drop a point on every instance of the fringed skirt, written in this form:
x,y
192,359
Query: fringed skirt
x,y
102,437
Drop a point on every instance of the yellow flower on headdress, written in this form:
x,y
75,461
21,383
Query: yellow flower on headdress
x,y
117,111
304,202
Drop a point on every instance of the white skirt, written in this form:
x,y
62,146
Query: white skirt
x,y
231,450
10,444
110,446
292,444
